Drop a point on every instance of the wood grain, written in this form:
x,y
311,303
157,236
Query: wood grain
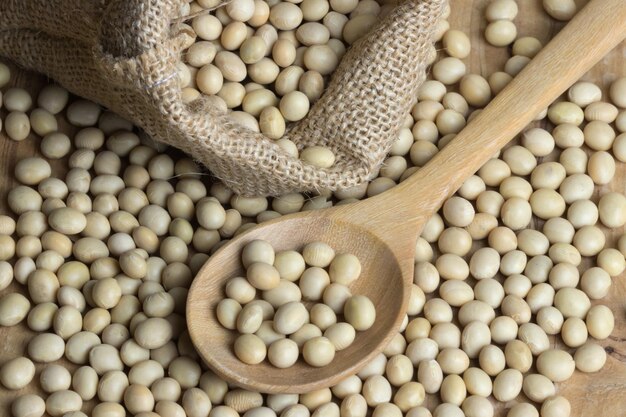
x,y
603,393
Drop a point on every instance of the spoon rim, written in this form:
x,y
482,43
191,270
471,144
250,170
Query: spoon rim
x,y
198,336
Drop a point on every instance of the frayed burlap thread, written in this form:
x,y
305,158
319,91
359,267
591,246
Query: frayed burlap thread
x,y
123,55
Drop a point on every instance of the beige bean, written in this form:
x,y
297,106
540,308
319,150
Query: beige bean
x,y
28,405
62,402
555,364
17,373
507,385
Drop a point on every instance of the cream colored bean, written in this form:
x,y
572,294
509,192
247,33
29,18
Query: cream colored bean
x,y
32,171
240,290
290,317
599,135
169,408
507,385
17,99
446,335
17,373
560,9
341,335
250,349
535,337
601,167
409,396
595,282
568,135
451,266
492,360
612,261
307,331
104,358
285,16
516,308
504,240
257,251
550,319
153,333
399,370
289,264
474,337
453,390
376,390
318,351
611,209
449,70
501,10
272,123
263,276
602,112
17,126
166,389
249,319
185,371
572,302
453,361
62,402
430,375
313,282
456,293
476,310
475,406
344,269
555,364
582,213
556,406
500,33
210,79
145,372
540,295
574,332
360,312
584,93
28,405
565,112
348,386
283,353
67,322
196,403
14,308
322,316
574,160
294,106
335,296
590,357
600,322
55,378
457,44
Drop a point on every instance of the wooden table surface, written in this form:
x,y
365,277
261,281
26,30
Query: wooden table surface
x,y
600,394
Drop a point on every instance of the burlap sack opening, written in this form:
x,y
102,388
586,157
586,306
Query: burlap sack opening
x,y
123,55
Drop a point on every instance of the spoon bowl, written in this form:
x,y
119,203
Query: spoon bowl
x,y
381,280
382,231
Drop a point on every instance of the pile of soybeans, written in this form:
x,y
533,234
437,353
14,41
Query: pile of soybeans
x,y
105,231
283,307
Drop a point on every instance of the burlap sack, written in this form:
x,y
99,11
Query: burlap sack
x,y
123,55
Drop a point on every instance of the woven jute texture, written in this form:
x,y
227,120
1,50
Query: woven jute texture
x,y
123,54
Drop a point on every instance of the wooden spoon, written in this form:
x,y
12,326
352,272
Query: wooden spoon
x,y
382,231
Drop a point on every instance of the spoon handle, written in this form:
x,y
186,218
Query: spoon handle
x,y
593,32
